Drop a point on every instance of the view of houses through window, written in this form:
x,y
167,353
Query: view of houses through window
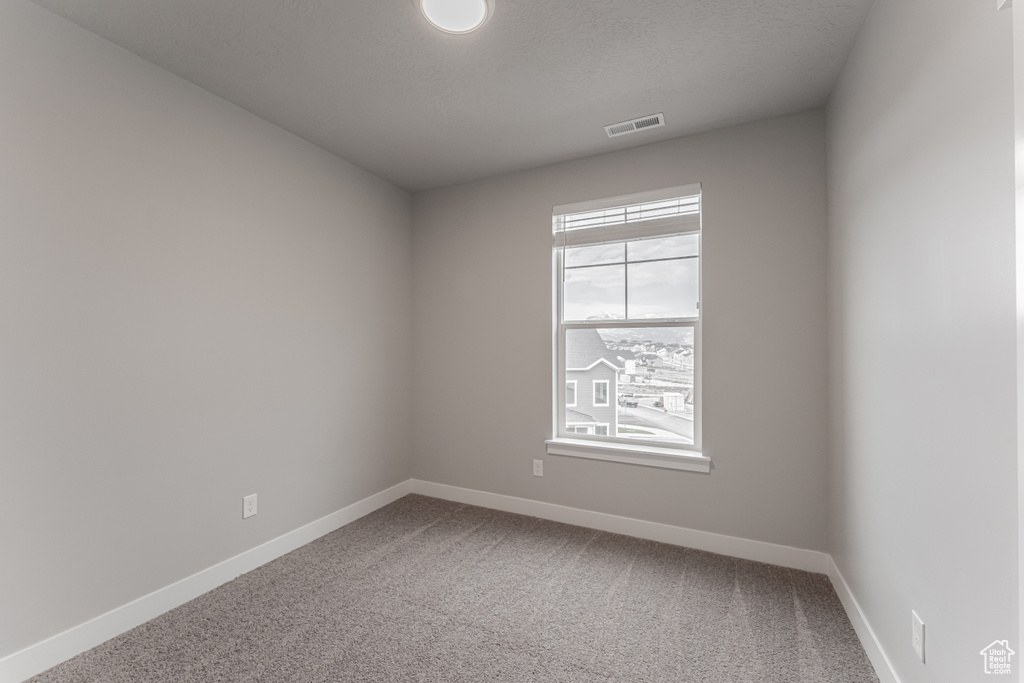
x,y
649,373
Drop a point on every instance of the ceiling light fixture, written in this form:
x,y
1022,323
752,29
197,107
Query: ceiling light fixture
x,y
457,16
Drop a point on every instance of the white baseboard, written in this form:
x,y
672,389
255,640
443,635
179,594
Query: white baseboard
x,y
39,657
759,551
872,646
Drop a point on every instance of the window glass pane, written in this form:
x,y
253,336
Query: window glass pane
x,y
664,247
593,367
601,430
650,380
594,255
663,289
570,393
597,293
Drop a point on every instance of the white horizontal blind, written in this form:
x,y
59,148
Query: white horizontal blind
x,y
676,211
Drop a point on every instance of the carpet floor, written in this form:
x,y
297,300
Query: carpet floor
x,y
428,590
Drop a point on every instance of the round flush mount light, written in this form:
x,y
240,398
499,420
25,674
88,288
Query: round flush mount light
x,y
457,16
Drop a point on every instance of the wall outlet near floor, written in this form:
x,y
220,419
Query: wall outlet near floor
x,y
249,506
538,468
917,635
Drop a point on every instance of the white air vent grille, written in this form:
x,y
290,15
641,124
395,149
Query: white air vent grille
x,y
634,125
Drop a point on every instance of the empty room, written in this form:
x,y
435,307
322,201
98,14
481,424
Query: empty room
x,y
510,340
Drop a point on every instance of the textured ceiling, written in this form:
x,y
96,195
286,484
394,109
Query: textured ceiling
x,y
372,82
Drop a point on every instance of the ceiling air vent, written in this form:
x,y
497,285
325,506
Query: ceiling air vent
x,y
634,125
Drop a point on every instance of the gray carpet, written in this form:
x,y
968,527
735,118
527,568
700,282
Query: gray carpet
x,y
427,590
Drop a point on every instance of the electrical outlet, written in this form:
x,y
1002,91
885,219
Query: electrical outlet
x,y
249,506
538,468
917,635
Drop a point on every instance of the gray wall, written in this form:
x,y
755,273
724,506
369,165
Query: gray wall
x,y
1018,110
483,319
194,305
921,197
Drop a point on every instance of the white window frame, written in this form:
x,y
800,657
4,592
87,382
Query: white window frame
x,y
575,393
612,447
607,393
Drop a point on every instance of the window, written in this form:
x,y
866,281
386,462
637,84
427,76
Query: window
x,y
627,287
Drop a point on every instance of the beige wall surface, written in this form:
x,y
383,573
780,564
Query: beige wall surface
x,y
922,331
194,306
483,330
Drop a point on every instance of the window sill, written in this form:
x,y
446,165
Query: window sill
x,y
648,456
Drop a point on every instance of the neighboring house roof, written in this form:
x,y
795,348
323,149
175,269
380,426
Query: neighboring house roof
x,y
575,417
584,347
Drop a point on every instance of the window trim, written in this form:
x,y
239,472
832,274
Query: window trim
x,y
612,447
607,393
575,393
646,455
